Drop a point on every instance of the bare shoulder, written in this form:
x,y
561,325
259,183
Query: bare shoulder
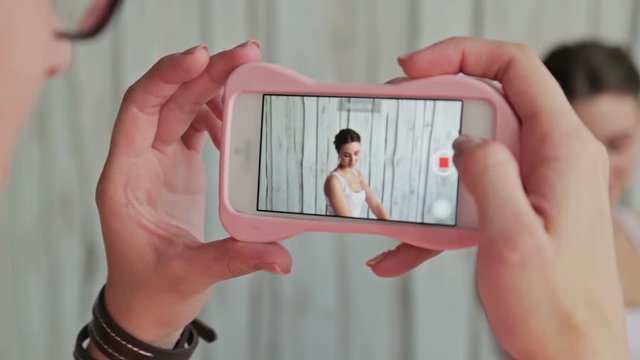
x,y
331,182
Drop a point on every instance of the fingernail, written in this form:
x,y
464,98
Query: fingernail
x,y
377,259
272,268
403,58
195,49
252,42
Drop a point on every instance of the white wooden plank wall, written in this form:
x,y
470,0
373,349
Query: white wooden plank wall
x,y
51,256
297,153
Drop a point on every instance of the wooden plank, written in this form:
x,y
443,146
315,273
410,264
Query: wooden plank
x,y
615,21
402,159
361,122
278,154
292,138
384,40
376,158
225,24
269,153
329,125
441,303
635,48
325,149
391,111
21,199
539,24
431,20
240,296
425,132
376,322
292,25
333,119
310,185
309,302
7,276
416,161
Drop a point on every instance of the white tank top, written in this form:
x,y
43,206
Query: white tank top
x,y
628,219
355,200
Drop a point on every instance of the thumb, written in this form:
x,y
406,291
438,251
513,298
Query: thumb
x,y
225,259
491,175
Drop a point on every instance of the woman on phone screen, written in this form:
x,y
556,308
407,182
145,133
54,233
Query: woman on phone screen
x,y
346,188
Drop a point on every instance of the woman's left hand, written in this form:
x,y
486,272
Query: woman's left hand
x,y
151,199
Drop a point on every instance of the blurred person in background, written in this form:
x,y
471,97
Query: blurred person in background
x,y
151,195
602,84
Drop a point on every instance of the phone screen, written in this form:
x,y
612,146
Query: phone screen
x,y
373,158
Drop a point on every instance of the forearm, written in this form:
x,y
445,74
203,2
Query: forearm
x,y
379,211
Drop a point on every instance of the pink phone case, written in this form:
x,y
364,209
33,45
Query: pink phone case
x,y
273,79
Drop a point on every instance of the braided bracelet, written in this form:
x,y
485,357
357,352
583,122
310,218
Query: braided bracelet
x,y
115,343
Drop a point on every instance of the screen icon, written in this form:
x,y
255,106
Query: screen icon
x,y
441,209
442,162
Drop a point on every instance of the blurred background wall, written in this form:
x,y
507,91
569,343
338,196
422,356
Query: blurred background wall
x,y
331,307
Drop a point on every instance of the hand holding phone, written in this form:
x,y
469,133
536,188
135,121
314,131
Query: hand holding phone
x,y
545,268
298,155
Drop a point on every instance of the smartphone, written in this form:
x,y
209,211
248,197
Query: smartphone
x,y
326,156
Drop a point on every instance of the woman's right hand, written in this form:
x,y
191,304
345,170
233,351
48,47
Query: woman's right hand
x,y
151,198
546,269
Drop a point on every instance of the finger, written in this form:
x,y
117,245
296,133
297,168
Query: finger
x,y
194,138
214,125
534,94
137,121
178,113
206,121
216,104
491,175
98,10
400,260
226,259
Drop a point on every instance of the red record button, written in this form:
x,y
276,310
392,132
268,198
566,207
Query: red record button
x,y
442,162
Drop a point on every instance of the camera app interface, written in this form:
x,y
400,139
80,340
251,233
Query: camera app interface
x,y
382,158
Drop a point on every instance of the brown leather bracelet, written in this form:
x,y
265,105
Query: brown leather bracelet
x,y
115,343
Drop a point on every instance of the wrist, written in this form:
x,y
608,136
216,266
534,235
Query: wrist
x,y
108,340
95,352
603,345
143,320
580,343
